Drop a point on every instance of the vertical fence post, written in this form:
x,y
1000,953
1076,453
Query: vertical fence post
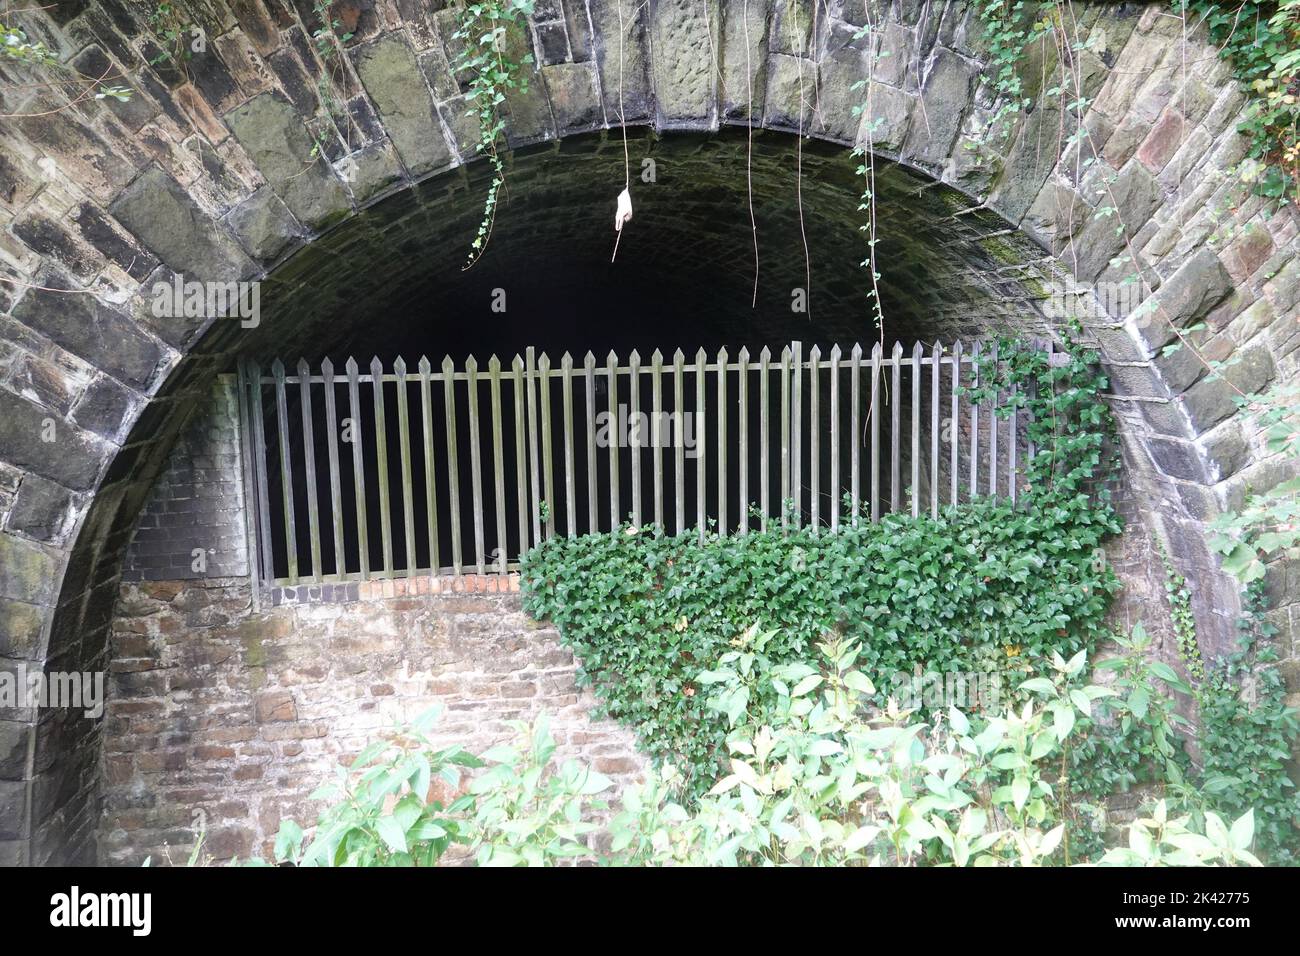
x,y
309,466
701,368
679,447
742,428
974,423
593,510
796,430
835,439
936,360
764,440
953,432
1037,345
656,432
876,412
993,428
381,453
548,458
895,436
453,460
404,449
785,437
916,430
855,430
814,437
249,452
286,470
1013,440
498,464
634,431
521,455
475,463
336,484
430,474
722,442
358,469
570,492
534,469
613,430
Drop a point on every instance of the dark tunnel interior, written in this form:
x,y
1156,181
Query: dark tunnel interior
x,y
391,284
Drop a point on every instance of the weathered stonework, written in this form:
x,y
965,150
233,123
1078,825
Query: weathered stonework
x,y
103,199
193,526
228,720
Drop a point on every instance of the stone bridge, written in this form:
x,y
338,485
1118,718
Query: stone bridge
x,y
347,185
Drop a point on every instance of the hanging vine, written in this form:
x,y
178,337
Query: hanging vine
x,y
482,30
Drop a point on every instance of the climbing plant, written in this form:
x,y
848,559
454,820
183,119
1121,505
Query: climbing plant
x,y
1247,734
1267,524
1260,39
328,39
175,33
16,47
483,32
986,587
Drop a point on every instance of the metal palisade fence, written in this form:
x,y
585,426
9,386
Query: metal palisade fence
x,y
357,474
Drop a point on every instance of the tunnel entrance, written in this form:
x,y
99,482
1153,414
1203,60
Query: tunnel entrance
x,y
526,451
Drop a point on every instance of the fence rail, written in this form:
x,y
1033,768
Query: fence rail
x,y
718,443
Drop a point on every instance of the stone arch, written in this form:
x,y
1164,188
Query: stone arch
x,y
208,172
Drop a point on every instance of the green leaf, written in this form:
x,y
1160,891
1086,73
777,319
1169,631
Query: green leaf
x,y
392,833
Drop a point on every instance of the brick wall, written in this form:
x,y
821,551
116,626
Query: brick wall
x,y
198,502
230,718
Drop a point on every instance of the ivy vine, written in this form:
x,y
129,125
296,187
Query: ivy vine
x,y
483,30
987,587
1259,38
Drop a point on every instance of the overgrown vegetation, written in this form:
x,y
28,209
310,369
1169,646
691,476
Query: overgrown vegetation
x,y
485,57
328,39
986,588
16,47
983,587
816,775
1260,39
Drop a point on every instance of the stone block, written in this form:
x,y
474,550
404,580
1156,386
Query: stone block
x,y
275,707
91,330
389,72
20,629
946,94
42,443
1226,450
170,224
1177,459
886,117
275,139
13,810
263,225
1134,196
744,60
106,408
43,510
625,66
1213,399
686,40
575,101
